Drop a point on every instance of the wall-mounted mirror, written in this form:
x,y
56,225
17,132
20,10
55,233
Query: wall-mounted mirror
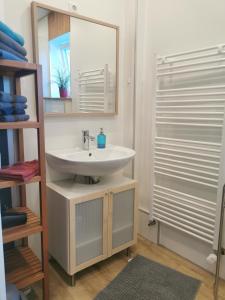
x,y
79,58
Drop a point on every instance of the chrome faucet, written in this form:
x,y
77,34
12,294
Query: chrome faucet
x,y
86,138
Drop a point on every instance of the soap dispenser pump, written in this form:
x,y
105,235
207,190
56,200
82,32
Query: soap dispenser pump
x,y
101,139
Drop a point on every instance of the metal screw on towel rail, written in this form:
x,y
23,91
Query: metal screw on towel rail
x,y
219,247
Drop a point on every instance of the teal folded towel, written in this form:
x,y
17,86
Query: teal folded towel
x,y
5,97
14,118
9,56
10,50
8,41
15,36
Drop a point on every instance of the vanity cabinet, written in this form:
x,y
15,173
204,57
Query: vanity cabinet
x,y
88,223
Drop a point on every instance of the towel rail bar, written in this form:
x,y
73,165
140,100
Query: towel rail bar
x,y
188,141
192,64
184,195
187,158
186,200
188,152
177,216
186,169
187,146
196,88
185,163
189,124
187,179
190,71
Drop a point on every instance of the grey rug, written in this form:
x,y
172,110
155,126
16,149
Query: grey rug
x,y
143,279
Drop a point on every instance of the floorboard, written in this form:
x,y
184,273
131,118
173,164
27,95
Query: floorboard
x,y
94,279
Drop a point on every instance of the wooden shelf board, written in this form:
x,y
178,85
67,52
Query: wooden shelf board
x,y
22,267
18,232
12,183
19,125
17,68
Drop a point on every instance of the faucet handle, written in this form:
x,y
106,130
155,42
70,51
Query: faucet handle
x,y
85,132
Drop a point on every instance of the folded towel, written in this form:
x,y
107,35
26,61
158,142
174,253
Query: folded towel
x,y
6,105
15,36
12,111
14,118
11,219
8,41
5,97
10,50
22,171
9,56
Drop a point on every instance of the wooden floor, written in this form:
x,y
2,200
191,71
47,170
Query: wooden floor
x,y
94,279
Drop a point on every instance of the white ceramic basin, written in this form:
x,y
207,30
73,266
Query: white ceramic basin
x,y
96,162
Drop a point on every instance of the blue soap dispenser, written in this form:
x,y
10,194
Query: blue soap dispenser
x,y
101,139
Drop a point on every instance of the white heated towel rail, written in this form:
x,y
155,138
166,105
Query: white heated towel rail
x,y
189,142
93,90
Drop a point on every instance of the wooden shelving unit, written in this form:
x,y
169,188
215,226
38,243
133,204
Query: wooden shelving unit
x,y
19,125
12,183
18,232
22,267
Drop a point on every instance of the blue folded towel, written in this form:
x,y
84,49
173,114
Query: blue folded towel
x,y
12,111
15,36
5,105
10,50
5,97
14,118
7,55
8,41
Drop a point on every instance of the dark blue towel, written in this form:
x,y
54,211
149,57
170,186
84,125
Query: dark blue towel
x,y
15,36
5,97
10,50
9,56
8,41
12,111
5,105
14,118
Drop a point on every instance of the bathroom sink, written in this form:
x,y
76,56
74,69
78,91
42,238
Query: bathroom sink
x,y
95,162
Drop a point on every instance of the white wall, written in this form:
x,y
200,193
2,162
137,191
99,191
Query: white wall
x,y
66,132
167,27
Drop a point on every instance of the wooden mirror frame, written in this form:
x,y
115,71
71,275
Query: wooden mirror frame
x,y
34,8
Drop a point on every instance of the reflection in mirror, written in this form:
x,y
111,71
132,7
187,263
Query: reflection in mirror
x,y
79,62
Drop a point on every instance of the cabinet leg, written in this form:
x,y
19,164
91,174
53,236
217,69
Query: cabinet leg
x,y
129,255
73,280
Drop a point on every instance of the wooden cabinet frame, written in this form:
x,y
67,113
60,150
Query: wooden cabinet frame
x,y
73,267
112,251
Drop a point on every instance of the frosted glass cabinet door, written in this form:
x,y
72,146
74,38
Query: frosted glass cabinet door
x,y
123,210
90,232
